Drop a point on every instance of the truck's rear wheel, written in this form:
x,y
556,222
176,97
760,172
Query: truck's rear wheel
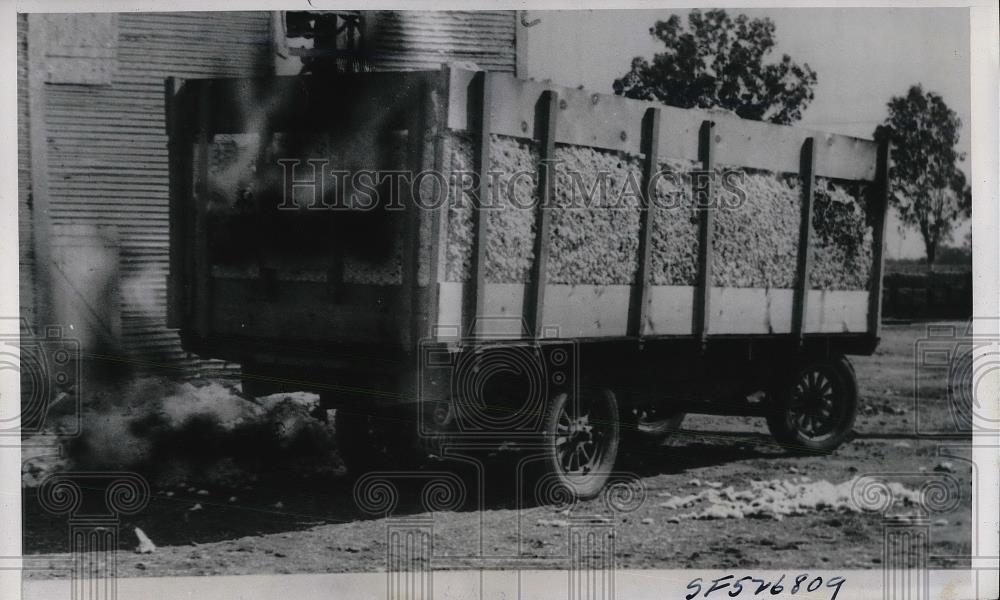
x,y
813,410
582,437
652,428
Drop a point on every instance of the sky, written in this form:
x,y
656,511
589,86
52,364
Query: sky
x,y
862,56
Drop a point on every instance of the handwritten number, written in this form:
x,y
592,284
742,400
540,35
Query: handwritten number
x,y
776,587
836,582
738,586
693,583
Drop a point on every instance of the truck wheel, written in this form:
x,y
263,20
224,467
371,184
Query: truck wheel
x,y
813,410
653,429
370,441
582,440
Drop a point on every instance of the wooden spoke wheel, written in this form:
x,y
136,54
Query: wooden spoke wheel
x,y
814,409
582,437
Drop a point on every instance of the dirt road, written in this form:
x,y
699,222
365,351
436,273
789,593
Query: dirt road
x,y
698,503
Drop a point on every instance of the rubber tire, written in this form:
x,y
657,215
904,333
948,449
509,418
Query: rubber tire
x,y
369,441
582,489
655,434
790,437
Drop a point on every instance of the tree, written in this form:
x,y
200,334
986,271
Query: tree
x,y
717,61
928,189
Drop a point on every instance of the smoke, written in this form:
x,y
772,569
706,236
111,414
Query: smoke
x,y
199,433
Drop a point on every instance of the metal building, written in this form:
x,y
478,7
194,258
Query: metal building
x,y
93,172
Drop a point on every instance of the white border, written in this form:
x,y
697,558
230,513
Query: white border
x,y
985,126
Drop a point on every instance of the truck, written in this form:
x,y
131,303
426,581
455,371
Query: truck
x,y
458,259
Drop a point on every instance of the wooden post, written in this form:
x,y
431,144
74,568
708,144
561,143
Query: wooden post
x,y
203,280
706,230
439,212
413,298
179,165
651,164
548,114
474,300
881,199
807,172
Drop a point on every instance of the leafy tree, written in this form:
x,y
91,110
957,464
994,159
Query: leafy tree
x,y
718,61
929,190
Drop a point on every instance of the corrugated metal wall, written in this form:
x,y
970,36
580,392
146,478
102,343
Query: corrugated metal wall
x,y
106,150
403,40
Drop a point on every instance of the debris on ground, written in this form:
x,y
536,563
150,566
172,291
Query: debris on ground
x,y
777,499
146,545
552,523
872,408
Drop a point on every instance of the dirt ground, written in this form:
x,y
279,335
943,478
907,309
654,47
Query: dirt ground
x,y
295,520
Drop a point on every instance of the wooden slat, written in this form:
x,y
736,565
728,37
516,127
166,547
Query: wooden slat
x,y
881,195
706,232
651,164
548,106
804,264
475,299
615,123
595,311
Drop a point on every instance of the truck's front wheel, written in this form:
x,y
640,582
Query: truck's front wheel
x,y
813,410
582,440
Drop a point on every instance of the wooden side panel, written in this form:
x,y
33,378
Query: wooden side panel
x,y
302,311
670,310
751,310
615,123
594,311
837,311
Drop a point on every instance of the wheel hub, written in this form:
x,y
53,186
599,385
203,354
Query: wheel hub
x,y
812,408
